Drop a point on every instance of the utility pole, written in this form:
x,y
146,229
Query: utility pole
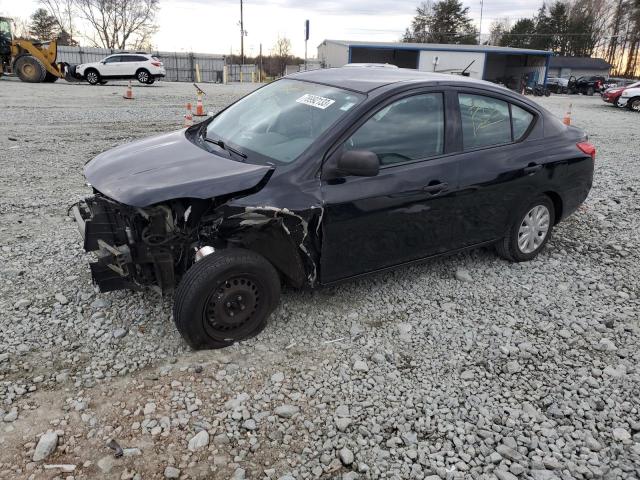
x,y
480,29
260,72
241,35
306,40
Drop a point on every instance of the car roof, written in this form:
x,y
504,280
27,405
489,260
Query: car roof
x,y
366,79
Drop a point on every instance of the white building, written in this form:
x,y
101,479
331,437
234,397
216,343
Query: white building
x,y
503,64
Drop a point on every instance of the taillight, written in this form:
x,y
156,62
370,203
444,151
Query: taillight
x,y
156,64
588,149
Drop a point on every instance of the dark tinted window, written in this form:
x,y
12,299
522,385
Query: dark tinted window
x,y
114,59
485,121
134,58
409,129
521,120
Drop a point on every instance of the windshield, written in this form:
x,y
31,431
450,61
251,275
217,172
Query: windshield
x,y
276,123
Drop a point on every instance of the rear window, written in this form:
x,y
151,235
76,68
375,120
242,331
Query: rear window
x,y
485,121
488,121
521,119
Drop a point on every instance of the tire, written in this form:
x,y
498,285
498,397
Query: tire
x,y
92,76
590,91
143,75
223,288
509,247
151,81
634,104
30,69
103,82
50,78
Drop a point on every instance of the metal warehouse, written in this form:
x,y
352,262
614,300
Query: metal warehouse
x,y
496,64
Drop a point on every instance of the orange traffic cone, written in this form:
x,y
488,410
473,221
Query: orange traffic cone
x,y
567,116
128,94
199,106
188,117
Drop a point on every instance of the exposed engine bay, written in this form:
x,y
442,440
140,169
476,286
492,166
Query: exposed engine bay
x,y
154,246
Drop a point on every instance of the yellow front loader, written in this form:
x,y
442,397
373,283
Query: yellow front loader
x,y
33,62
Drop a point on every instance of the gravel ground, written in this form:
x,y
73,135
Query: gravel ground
x,y
465,367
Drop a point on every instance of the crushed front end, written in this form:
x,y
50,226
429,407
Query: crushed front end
x,y
134,246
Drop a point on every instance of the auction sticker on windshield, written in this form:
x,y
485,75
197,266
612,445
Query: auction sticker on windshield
x,y
316,101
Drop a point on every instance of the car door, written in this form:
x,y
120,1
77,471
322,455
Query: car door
x,y
403,213
111,66
499,171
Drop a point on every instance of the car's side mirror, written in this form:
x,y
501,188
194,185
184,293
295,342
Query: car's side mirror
x,y
361,163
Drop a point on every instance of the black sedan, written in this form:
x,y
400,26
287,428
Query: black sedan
x,y
322,177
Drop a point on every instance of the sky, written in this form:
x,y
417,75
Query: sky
x,y
211,26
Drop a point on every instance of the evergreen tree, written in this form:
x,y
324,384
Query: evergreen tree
x,y
520,35
43,26
445,21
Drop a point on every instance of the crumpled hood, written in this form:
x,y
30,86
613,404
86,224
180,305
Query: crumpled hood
x,y
166,167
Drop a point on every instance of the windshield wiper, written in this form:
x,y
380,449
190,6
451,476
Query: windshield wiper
x,y
224,146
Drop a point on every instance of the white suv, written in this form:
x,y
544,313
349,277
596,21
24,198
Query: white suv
x,y
630,98
142,66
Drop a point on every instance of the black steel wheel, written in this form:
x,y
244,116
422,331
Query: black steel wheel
x,y
531,231
30,69
225,297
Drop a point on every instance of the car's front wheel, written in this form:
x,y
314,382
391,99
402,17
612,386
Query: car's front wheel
x,y
92,76
634,104
528,235
225,297
143,76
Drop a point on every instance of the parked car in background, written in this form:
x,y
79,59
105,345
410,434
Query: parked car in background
x,y
612,95
143,67
586,85
630,98
558,84
322,177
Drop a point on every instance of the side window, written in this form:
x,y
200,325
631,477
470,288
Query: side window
x,y
521,119
485,121
409,129
114,59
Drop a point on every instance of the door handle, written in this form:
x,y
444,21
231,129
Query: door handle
x,y
532,168
437,188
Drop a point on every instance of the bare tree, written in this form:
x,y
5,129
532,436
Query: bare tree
x,y
282,52
119,23
498,28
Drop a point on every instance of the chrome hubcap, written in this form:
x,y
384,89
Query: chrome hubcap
x,y
534,229
143,77
635,105
92,77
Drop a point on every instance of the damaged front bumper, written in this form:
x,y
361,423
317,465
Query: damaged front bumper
x,y
112,270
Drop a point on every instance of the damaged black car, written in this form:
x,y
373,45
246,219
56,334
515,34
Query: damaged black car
x,y
322,177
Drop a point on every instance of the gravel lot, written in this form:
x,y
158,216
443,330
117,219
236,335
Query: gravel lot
x,y
465,367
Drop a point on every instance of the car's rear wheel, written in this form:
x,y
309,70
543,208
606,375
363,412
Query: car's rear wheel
x,y
143,76
225,297
528,235
92,76
151,81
